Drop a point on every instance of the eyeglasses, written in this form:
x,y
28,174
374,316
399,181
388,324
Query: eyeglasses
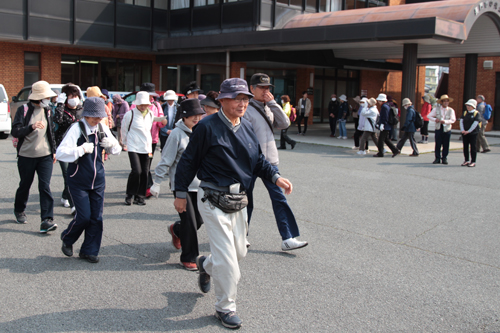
x,y
245,100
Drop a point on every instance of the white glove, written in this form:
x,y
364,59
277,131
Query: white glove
x,y
381,127
61,98
88,147
106,143
155,189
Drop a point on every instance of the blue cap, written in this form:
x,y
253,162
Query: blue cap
x,y
94,107
231,88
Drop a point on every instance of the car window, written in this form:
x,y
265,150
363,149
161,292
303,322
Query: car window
x,y
3,96
23,95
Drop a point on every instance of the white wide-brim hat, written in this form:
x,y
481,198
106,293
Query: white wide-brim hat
x,y
471,102
343,98
406,101
170,95
382,97
142,98
41,90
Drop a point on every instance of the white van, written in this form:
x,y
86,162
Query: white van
x,y
5,121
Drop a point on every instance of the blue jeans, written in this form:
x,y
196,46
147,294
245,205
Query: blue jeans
x,y
287,225
342,129
27,167
442,140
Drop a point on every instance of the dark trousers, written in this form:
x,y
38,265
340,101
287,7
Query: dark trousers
x,y
442,140
27,167
333,124
384,138
150,179
299,120
89,206
285,138
411,137
470,140
187,228
65,195
287,225
138,177
357,136
163,140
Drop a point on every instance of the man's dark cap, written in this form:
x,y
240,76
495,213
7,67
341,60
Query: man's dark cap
x,y
260,79
191,88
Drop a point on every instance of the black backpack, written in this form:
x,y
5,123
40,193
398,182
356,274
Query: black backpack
x,y
393,116
419,121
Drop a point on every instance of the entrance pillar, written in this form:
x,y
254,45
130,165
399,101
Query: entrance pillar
x,y
470,78
409,76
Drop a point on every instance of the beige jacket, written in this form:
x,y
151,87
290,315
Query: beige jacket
x,y
308,107
447,115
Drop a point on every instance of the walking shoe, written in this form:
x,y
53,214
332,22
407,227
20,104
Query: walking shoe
x,y
396,153
47,226
436,161
421,141
414,155
139,201
292,244
332,135
148,193
361,152
90,258
444,161
20,217
354,148
293,144
203,277
176,241
128,200
344,137
281,147
67,249
190,266
486,150
378,155
65,203
73,210
229,319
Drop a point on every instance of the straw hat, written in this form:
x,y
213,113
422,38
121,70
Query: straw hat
x,y
444,97
372,101
141,98
94,91
41,90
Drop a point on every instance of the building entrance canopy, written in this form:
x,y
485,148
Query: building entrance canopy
x,y
442,29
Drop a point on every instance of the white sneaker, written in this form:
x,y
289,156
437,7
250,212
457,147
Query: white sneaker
x,y
292,244
339,137
345,138
354,148
361,152
65,202
73,210
385,151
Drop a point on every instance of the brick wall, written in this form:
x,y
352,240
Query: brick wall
x,y
235,69
12,60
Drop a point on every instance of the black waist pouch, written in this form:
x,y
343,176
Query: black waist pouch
x,y
227,202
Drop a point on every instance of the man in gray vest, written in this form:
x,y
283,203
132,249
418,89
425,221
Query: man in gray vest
x,y
265,115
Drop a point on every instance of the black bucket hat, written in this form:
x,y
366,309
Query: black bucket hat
x,y
191,107
150,88
191,88
210,102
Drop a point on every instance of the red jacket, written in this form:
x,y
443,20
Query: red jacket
x,y
426,109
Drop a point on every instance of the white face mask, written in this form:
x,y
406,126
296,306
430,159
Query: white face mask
x,y
406,107
73,102
45,102
334,99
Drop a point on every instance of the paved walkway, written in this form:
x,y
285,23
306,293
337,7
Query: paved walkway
x,y
319,133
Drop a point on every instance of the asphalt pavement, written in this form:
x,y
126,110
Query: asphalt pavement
x,y
395,245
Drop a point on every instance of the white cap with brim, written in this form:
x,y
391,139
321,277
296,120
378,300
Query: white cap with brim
x,y
142,98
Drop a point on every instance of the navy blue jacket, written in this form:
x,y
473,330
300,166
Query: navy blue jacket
x,y
409,125
222,156
384,116
343,110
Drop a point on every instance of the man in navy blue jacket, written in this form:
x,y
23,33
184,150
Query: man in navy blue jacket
x,y
224,153
385,128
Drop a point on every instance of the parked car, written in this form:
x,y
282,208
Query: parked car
x,y
22,97
5,122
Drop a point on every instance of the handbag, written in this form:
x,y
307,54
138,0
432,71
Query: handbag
x,y
293,115
227,202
